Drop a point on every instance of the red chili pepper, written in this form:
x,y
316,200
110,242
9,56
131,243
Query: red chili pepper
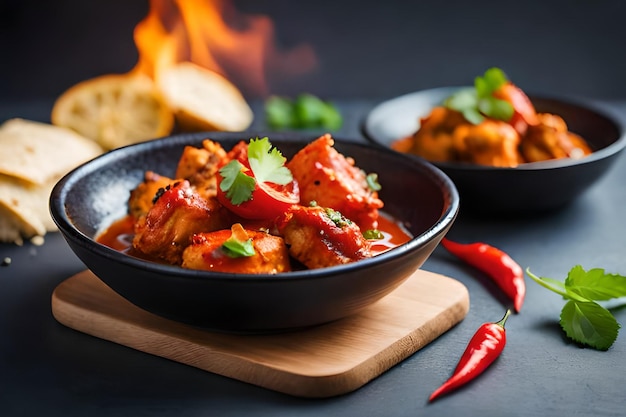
x,y
500,267
484,347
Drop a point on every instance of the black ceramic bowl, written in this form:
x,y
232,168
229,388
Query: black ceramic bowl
x,y
528,188
88,199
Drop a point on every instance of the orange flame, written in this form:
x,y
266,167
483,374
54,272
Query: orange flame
x,y
212,34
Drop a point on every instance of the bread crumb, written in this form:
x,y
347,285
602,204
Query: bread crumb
x,y
37,240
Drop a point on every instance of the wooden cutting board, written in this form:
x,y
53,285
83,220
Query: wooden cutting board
x,y
323,361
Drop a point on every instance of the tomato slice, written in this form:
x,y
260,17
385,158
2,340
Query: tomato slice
x,y
524,113
268,200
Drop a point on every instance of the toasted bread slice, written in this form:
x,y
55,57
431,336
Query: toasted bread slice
x,y
114,110
203,100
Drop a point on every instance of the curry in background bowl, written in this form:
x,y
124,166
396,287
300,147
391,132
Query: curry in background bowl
x,y
302,285
548,153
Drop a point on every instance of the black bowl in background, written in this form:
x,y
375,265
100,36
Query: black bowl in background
x,y
528,188
89,198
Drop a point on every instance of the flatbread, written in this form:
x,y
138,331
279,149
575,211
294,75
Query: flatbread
x,y
28,202
39,152
14,228
33,157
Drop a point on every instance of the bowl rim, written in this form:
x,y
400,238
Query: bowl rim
x,y
61,189
602,109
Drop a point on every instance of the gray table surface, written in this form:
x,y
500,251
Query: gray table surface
x,y
48,369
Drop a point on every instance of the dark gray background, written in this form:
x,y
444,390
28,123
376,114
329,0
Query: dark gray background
x,y
366,49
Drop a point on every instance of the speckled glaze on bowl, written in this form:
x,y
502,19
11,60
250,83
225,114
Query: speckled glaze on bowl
x,y
529,188
88,199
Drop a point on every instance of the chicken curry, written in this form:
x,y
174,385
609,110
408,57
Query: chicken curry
x,y
249,210
493,124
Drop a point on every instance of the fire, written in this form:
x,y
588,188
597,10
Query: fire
x,y
212,34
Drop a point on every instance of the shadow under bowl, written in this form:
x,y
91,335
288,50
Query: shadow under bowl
x,y
528,188
90,198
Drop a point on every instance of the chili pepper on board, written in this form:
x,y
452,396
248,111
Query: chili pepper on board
x,y
484,348
500,267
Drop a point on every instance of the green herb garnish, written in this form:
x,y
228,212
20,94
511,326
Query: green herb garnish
x,y
279,112
236,184
478,102
267,165
373,234
372,182
238,245
305,112
237,249
337,218
583,319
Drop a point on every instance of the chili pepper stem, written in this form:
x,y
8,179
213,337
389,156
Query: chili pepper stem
x,y
484,347
502,321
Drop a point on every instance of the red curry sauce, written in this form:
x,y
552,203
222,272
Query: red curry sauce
x,y
119,236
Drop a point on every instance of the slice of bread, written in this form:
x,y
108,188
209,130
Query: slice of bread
x,y
34,157
203,100
114,110
39,152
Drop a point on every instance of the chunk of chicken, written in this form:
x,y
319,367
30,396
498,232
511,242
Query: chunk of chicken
x,y
199,166
550,139
238,152
433,140
177,214
142,197
321,237
492,142
331,180
207,252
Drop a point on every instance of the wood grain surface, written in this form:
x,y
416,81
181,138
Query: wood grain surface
x,y
323,361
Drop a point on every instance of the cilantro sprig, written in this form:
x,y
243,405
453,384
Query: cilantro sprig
x,y
583,318
237,185
306,111
238,245
267,165
479,102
